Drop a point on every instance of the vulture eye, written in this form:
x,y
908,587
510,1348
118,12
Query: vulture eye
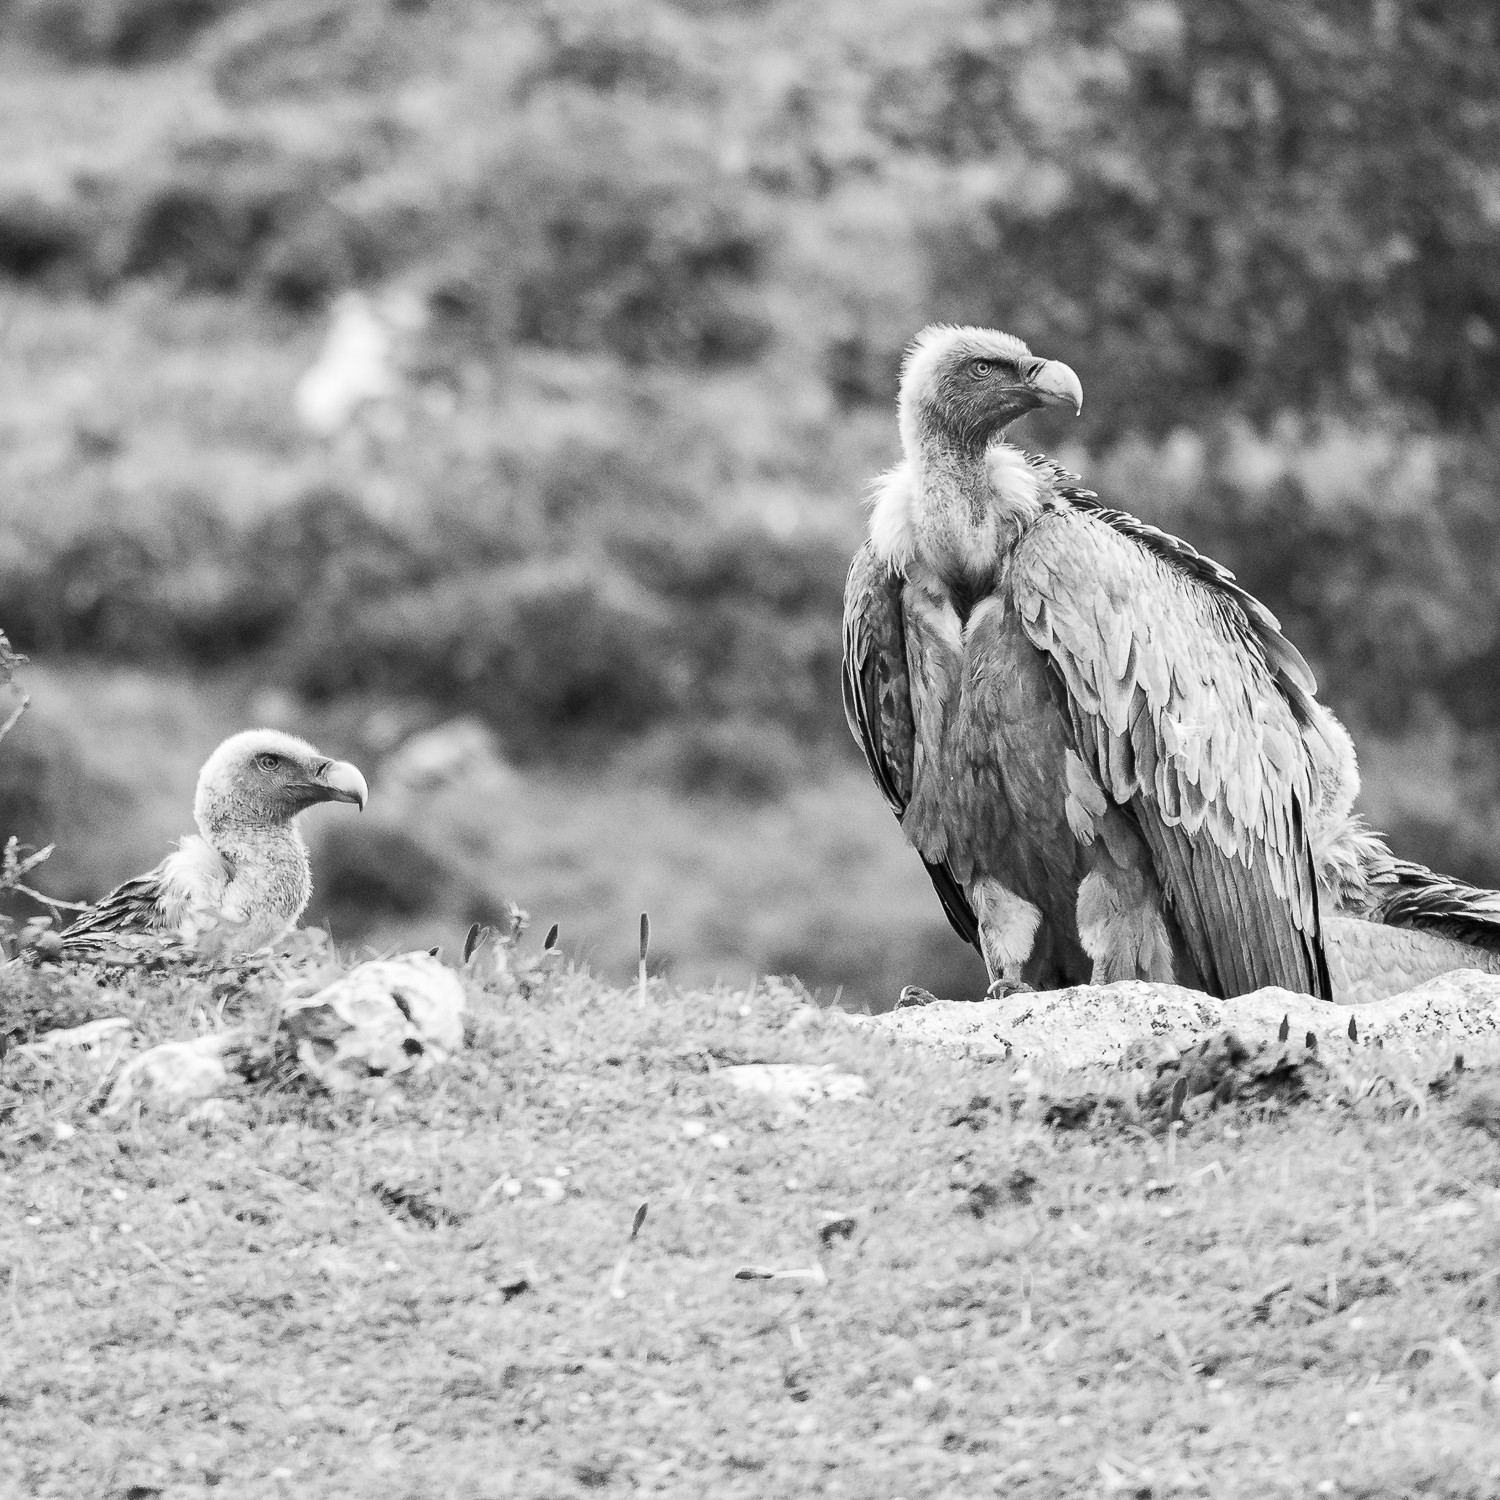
x,y
979,368
268,761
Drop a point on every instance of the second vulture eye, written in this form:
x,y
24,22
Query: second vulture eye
x,y
268,762
979,368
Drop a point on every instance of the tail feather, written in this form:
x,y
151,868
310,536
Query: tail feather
x,y
1403,894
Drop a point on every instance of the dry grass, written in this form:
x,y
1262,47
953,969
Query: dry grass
x,y
414,1296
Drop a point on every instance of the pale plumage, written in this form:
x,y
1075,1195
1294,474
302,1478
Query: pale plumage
x,y
243,879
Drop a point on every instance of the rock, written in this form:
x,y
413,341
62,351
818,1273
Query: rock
x,y
90,1034
389,1016
1140,1022
178,1072
795,1083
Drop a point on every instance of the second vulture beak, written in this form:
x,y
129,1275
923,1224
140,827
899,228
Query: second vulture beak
x,y
344,783
1056,385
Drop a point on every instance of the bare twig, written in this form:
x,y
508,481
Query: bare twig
x,y
26,890
15,714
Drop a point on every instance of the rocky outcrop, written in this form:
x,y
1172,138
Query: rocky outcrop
x,y
1089,1025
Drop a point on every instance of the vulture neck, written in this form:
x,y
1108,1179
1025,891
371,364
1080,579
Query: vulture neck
x,y
245,841
971,502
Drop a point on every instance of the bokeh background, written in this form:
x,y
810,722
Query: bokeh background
x,y
635,278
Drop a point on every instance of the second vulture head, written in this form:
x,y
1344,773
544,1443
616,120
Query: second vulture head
x,y
264,778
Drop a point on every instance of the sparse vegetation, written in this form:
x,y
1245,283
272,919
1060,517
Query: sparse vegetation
x,y
425,1296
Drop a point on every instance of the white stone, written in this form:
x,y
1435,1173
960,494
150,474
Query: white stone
x,y
1087,1025
91,1034
176,1073
794,1082
386,1017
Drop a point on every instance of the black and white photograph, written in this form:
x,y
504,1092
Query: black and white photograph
x,y
749,748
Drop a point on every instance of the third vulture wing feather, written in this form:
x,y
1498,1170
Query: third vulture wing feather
x,y
1238,874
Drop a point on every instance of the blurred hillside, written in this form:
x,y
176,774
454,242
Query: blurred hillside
x,y
667,256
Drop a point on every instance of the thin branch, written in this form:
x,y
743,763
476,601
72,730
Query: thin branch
x,y
26,890
15,714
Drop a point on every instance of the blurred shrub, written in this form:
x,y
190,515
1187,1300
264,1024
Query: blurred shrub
x,y
369,870
638,246
324,554
41,240
48,795
756,615
238,212
753,760
115,31
183,583
745,561
140,590
605,47
860,372
548,652
1218,205
304,48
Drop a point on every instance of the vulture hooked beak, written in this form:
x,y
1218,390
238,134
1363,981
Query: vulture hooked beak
x,y
1052,383
338,781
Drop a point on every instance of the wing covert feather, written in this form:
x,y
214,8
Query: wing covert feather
x,y
1189,718
134,907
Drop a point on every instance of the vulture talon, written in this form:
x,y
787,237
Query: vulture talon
x,y
1003,989
914,995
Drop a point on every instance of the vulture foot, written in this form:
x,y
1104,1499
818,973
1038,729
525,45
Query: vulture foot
x,y
1003,989
914,995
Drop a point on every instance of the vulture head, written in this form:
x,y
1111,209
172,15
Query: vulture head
x,y
262,778
965,386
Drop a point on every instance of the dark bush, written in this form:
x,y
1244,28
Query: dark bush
x,y
605,49
304,48
750,759
187,584
116,31
126,590
49,795
719,563
658,261
42,240
238,212
861,373
1236,207
326,549
369,870
551,654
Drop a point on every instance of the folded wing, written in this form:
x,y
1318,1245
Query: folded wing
x,y
1186,702
877,704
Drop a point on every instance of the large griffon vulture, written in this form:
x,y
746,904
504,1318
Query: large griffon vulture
x,y
1110,759
243,880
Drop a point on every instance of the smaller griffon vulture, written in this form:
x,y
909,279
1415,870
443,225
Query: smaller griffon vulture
x,y
243,879
1108,756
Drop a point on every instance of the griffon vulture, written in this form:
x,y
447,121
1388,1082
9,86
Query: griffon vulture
x,y
243,879
1108,756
